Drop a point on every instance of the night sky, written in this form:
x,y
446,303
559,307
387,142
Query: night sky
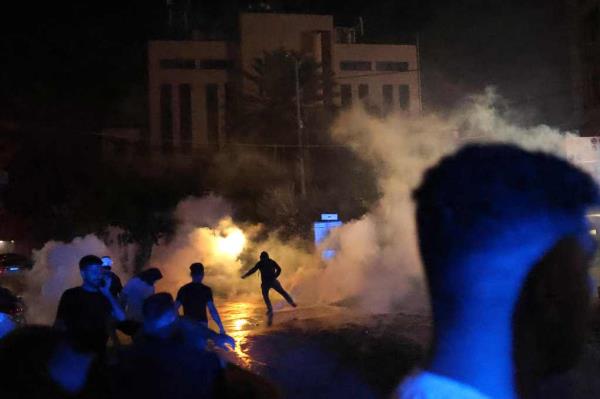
x,y
81,65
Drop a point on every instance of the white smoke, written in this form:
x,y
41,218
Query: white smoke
x,y
377,266
207,234
378,261
56,268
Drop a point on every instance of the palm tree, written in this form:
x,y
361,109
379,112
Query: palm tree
x,y
267,112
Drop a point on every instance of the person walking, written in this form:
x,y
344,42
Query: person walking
x,y
195,297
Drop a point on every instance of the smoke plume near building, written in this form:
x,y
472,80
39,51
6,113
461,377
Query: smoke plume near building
x,y
376,267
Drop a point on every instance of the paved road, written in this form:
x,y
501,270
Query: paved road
x,y
326,351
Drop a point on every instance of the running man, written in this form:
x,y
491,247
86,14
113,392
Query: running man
x,y
269,271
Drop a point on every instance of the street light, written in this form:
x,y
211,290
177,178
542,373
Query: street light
x,y
300,126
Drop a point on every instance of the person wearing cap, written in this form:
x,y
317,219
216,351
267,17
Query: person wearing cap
x,y
269,271
195,297
115,286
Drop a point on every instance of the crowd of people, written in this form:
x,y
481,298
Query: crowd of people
x,y
505,245
169,355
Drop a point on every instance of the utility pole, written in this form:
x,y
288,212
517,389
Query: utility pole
x,y
300,127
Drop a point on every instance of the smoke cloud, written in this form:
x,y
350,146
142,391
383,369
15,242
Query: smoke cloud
x,y
377,266
378,261
206,233
56,268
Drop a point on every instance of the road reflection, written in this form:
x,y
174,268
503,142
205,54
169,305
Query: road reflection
x,y
246,321
240,319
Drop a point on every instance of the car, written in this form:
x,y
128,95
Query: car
x,y
14,263
12,305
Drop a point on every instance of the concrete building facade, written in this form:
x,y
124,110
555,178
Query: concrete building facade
x,y
190,80
585,56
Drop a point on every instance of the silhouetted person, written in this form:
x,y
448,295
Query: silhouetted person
x,y
7,305
137,289
269,271
504,241
116,286
37,362
196,297
161,364
85,312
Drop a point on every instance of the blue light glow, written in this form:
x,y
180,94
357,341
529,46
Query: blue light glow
x,y
329,216
321,232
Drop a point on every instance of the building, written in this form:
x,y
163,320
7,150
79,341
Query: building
x,y
190,80
585,56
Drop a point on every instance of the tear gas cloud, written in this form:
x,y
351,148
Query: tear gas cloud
x,y
377,266
56,268
378,261
226,249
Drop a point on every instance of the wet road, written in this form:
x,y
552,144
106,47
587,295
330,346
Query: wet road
x,y
247,322
325,351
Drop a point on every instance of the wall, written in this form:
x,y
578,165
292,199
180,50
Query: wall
x,y
376,79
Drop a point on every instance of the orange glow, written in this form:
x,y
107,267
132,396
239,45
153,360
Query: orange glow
x,y
232,243
239,324
240,319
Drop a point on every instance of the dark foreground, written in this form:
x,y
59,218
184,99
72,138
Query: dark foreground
x,y
330,352
327,352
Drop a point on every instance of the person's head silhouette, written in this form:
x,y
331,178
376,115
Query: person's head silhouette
x,y
92,274
505,244
150,276
160,315
197,272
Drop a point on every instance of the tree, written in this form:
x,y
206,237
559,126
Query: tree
x,y
267,113
60,185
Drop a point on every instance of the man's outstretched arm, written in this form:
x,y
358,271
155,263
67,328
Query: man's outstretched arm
x,y
215,315
251,271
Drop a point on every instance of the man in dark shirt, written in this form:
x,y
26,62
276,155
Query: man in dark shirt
x,y
195,297
84,312
269,271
